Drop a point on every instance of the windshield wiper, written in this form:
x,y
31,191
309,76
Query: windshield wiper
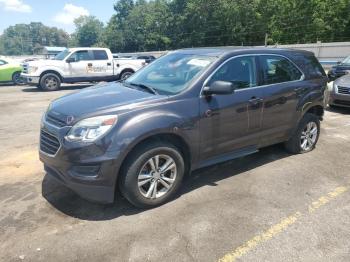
x,y
150,89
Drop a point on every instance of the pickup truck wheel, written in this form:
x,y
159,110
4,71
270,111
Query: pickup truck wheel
x,y
306,136
126,75
152,175
50,82
16,78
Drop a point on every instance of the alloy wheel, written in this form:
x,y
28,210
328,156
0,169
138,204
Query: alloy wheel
x,y
51,82
157,176
308,136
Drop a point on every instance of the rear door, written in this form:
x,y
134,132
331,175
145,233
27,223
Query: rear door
x,y
282,84
102,66
231,122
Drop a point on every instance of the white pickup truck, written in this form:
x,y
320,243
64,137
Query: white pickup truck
x,y
78,65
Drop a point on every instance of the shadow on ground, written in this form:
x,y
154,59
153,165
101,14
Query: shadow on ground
x,y
72,205
64,87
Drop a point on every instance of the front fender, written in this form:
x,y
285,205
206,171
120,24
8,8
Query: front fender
x,y
132,131
44,69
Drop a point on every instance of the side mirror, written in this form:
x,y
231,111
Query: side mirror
x,y
219,88
338,62
71,60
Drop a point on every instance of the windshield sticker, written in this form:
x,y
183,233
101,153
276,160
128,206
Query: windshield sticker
x,y
198,62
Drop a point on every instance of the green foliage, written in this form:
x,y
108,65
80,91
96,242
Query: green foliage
x,y
144,25
170,24
88,31
30,38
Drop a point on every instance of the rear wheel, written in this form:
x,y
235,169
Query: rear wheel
x,y
126,75
306,136
16,78
152,175
50,82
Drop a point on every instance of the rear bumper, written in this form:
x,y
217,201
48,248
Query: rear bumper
x,y
30,80
339,100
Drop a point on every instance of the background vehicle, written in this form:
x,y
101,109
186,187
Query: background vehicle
x,y
10,71
147,58
78,65
189,109
340,93
342,68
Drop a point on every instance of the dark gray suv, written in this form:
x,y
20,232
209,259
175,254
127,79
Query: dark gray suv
x,y
189,109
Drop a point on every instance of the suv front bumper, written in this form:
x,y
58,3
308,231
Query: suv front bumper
x,y
90,170
339,99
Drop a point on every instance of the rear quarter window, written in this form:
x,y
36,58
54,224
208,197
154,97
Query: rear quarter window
x,y
278,69
313,68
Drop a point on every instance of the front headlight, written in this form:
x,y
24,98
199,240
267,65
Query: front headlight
x,y
90,129
32,69
335,87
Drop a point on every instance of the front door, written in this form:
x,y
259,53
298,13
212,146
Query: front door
x,y
81,67
232,122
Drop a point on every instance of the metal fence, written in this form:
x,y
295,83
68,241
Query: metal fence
x,y
327,53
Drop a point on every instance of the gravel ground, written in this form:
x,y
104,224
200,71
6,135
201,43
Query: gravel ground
x,y
270,206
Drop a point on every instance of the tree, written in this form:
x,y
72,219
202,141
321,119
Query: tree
x,y
30,38
88,31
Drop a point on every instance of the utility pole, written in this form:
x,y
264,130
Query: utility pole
x,y
266,37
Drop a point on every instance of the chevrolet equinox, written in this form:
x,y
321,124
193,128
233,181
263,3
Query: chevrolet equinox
x,y
189,109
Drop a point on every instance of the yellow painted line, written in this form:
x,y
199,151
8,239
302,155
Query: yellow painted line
x,y
280,227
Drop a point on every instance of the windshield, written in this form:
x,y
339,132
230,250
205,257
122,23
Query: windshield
x,y
62,55
172,73
346,61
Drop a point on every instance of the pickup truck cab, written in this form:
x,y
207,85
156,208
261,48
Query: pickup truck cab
x,y
78,65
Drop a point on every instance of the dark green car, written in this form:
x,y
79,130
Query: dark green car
x,y
10,71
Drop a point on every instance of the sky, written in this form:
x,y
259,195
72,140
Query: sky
x,y
58,13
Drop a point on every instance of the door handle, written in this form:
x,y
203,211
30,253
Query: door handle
x,y
89,64
255,100
109,64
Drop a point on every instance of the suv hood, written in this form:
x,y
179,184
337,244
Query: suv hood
x,y
101,99
343,81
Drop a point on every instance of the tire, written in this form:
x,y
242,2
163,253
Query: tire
x,y
138,176
305,132
50,82
16,78
126,75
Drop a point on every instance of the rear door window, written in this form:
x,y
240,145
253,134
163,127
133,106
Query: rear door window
x,y
278,69
100,55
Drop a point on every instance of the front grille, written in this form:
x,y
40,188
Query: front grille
x,y
55,121
343,90
49,144
25,68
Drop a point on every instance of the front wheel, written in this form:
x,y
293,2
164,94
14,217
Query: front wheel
x,y
152,175
16,78
306,136
50,82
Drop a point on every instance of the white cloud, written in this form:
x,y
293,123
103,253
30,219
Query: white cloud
x,y
69,13
16,6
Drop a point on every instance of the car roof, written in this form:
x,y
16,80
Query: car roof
x,y
86,48
221,51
